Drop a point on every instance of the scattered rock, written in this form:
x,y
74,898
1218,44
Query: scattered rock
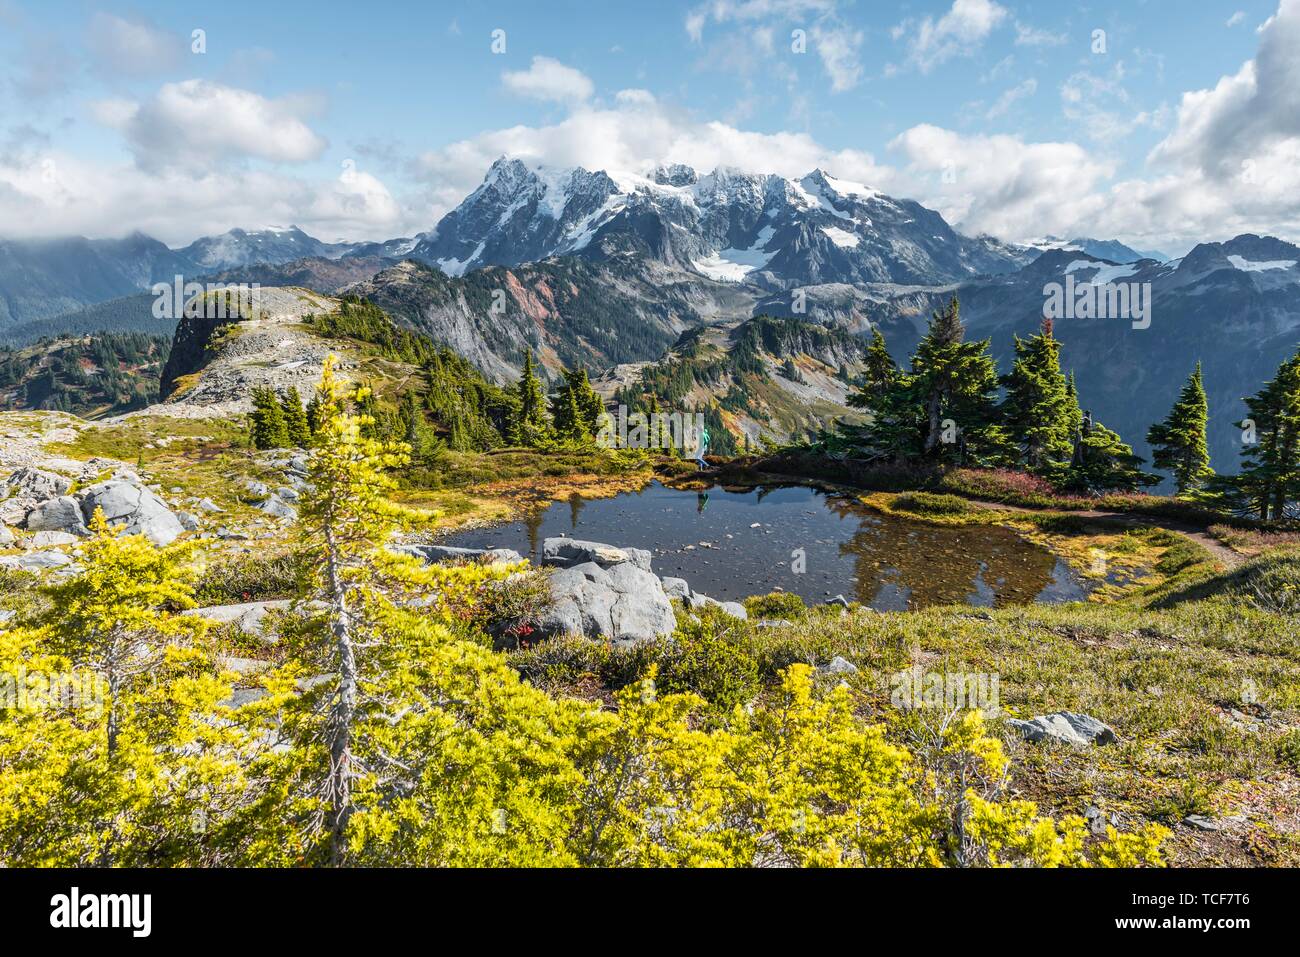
x,y
6,537
735,609
37,484
432,554
188,520
135,509
277,507
207,505
50,539
36,561
838,666
62,514
1069,727
249,617
677,588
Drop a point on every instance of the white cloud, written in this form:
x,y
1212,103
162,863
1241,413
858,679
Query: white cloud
x,y
1000,184
838,48
1100,106
837,44
1028,36
959,32
548,79
1236,18
1246,115
132,47
53,194
1010,97
198,124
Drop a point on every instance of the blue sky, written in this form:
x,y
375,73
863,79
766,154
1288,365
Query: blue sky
x,y
371,120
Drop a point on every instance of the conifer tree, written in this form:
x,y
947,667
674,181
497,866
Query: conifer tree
x,y
1103,462
1038,409
590,405
1269,477
530,427
880,374
268,426
956,381
1178,443
295,419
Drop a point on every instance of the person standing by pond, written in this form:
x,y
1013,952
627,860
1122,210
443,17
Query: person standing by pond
x,y
703,448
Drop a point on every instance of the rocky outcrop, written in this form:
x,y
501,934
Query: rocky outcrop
x,y
133,508
62,514
567,552
1067,727
445,553
621,602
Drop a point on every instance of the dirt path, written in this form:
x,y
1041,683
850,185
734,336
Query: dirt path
x,y
1197,533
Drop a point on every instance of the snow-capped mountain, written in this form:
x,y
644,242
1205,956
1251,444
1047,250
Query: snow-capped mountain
x,y
728,225
240,247
1111,249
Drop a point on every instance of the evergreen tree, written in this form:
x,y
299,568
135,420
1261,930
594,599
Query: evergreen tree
x,y
568,420
267,421
1269,478
1178,443
1102,462
880,374
1038,410
295,419
956,382
530,426
590,405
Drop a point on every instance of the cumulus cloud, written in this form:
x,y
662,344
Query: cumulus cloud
x,y
959,32
1000,184
197,123
548,79
838,48
1236,18
1246,115
131,47
54,194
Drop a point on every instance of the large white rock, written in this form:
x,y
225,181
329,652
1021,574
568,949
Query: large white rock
x,y
571,551
622,602
134,508
62,514
1069,727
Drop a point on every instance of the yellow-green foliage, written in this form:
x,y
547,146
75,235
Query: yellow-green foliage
x,y
386,737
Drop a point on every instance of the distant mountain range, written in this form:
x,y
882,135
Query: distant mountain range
x,y
1234,307
605,268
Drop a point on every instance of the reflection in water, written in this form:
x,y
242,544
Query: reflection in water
x,y
733,542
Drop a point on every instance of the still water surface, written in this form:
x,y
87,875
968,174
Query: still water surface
x,y
730,543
